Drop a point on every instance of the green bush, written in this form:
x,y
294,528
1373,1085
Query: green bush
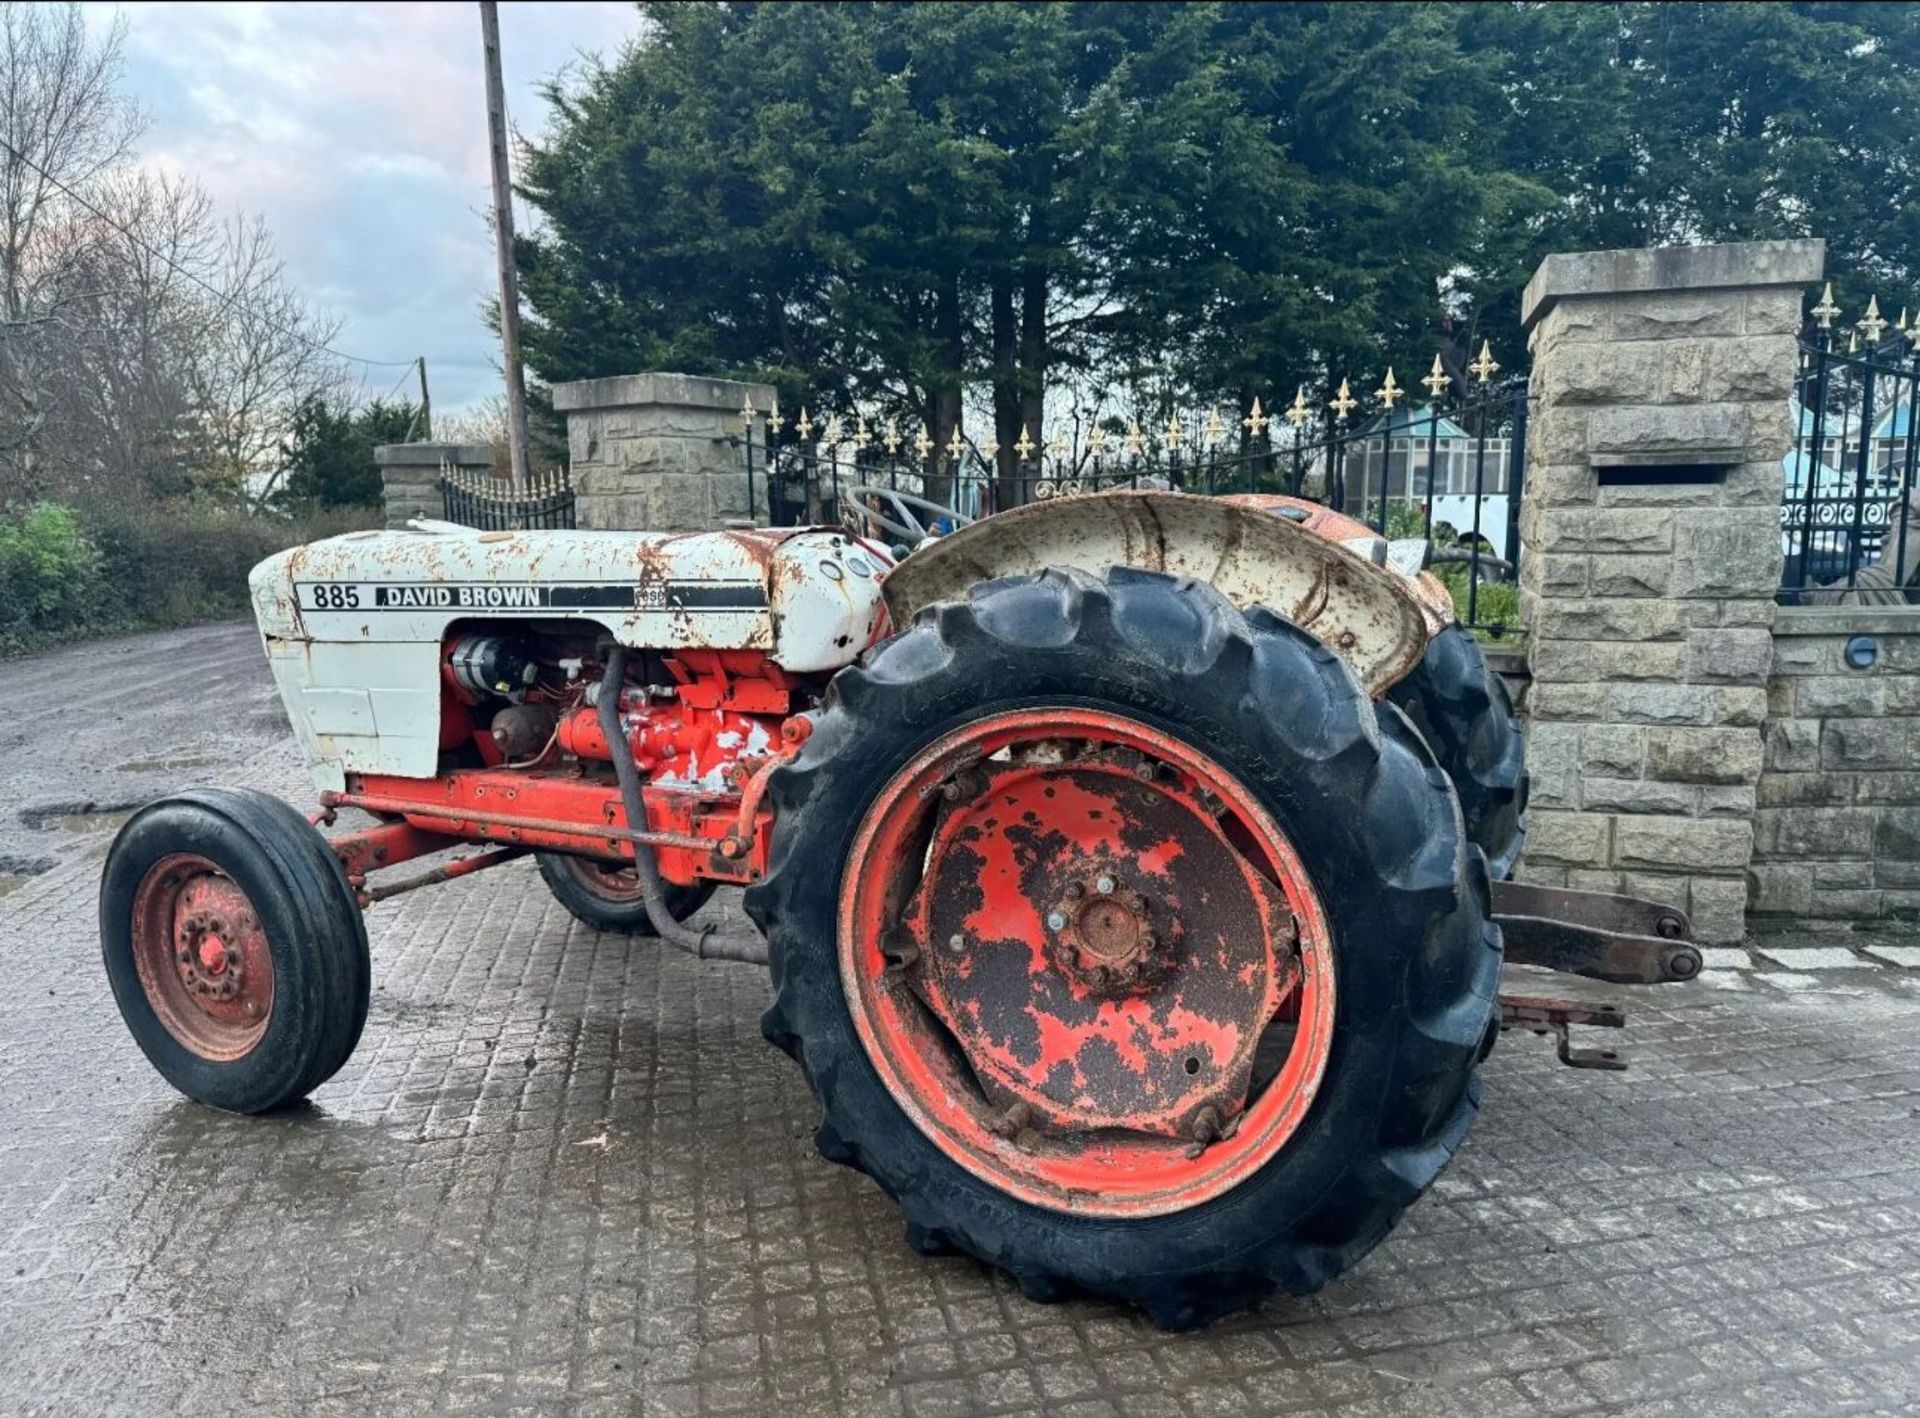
x,y
49,574
65,576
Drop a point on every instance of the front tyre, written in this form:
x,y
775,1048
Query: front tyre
x,y
234,947
1126,945
606,895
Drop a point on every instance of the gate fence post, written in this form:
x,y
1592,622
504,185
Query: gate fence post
x,y
1650,515
660,452
410,475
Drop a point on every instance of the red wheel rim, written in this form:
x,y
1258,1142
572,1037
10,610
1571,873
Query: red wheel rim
x,y
1087,962
202,958
612,881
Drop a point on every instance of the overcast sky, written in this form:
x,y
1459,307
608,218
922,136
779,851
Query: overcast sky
x,y
359,132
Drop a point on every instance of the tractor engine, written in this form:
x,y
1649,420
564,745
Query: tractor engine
x,y
524,751
450,682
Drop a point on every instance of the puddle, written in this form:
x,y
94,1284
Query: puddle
x,y
81,818
169,765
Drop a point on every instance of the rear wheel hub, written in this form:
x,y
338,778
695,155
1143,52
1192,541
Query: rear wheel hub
x,y
1087,961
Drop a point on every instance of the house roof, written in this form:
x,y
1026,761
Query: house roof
x,y
1413,423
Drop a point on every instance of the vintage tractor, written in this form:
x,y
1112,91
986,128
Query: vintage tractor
x,y
1122,861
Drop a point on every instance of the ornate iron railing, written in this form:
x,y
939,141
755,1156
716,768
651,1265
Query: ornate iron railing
x,y
1848,519
479,500
1451,470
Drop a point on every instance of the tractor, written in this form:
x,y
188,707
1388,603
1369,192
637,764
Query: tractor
x,y
1128,867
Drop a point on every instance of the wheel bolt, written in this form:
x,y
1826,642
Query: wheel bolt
x,y
1075,891
1056,921
1104,886
956,943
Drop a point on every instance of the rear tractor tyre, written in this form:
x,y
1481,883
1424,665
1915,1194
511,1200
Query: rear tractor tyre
x,y
1463,711
235,947
1126,944
606,895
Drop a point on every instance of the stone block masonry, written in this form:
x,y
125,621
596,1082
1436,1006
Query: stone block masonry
x,y
660,452
1837,820
410,475
1661,382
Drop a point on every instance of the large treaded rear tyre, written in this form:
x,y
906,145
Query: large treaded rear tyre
x,y
1372,819
1463,711
235,947
607,897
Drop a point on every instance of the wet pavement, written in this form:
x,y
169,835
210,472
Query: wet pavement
x,y
564,1175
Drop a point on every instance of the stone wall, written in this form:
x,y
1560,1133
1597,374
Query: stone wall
x,y
1649,605
1837,831
660,452
410,475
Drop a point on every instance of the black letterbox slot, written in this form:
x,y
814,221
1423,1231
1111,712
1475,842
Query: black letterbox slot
x,y
1654,474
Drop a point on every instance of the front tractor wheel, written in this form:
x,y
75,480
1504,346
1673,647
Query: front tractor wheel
x,y
234,947
606,895
1126,944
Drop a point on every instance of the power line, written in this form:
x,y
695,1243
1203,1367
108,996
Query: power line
x,y
224,297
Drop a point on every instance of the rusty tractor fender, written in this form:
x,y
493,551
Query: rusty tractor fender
x,y
1370,616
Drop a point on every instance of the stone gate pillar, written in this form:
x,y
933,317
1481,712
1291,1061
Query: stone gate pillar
x,y
661,452
1650,523
410,475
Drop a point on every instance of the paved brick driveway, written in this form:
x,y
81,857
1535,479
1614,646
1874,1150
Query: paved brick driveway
x,y
564,1175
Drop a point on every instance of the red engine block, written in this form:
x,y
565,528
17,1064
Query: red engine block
x,y
704,747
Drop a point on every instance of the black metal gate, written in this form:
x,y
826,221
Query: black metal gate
x,y
1848,514
1451,471
494,506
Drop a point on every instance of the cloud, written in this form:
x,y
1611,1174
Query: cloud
x,y
358,131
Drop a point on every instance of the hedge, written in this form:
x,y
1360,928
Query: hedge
x,y
68,574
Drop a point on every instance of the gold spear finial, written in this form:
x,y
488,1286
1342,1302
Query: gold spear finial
x,y
1025,446
892,441
1214,431
1097,440
1343,402
803,425
1173,433
1388,390
956,445
1136,445
747,410
922,443
1298,412
1873,322
990,450
1255,423
1826,310
1485,367
862,439
830,435
1436,380
774,421
1057,446
1853,341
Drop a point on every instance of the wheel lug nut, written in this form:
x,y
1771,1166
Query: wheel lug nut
x,y
1056,921
1104,886
956,943
1075,891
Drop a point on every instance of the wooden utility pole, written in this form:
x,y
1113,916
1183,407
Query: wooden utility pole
x,y
426,404
503,246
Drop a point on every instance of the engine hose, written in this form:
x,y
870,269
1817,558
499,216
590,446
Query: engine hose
x,y
702,943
